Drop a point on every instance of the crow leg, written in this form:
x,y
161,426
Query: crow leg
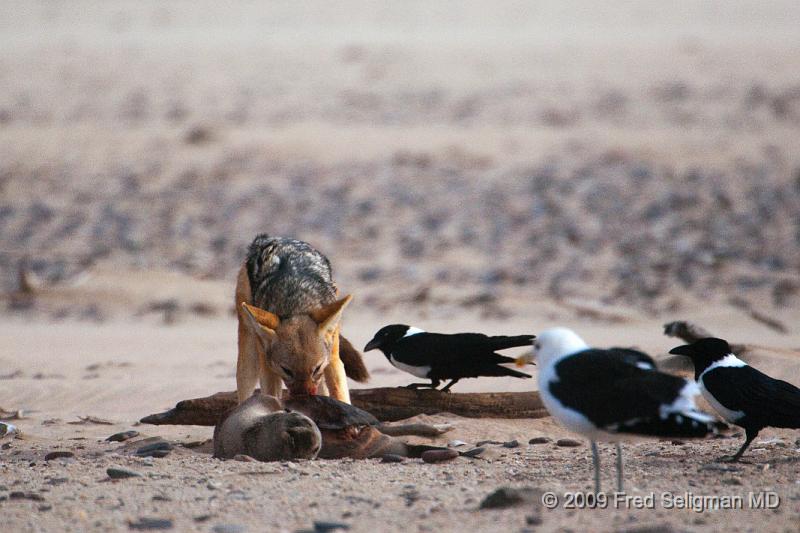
x,y
446,388
750,435
432,385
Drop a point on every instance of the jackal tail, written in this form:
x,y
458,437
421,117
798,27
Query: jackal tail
x,y
353,361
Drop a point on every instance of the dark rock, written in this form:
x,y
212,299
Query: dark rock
x,y
485,442
539,440
45,507
392,458
58,454
568,443
25,495
151,523
505,497
122,436
121,473
474,452
156,449
322,526
511,444
533,519
228,528
439,456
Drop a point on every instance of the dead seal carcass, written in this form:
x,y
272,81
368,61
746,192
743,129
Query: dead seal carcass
x,y
269,430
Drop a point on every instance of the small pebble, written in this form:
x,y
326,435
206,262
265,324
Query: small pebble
x,y
45,507
244,458
59,454
214,485
122,436
392,458
485,442
456,443
505,497
474,452
228,528
151,523
438,456
568,443
539,440
322,526
20,495
121,473
511,444
156,449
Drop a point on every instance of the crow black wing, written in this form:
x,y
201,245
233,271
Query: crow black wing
x,y
765,401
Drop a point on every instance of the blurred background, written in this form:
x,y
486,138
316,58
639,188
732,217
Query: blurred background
x,y
459,154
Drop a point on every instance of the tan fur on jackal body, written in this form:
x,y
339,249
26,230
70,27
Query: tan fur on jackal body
x,y
300,349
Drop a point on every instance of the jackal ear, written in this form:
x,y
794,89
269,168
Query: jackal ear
x,y
260,320
327,318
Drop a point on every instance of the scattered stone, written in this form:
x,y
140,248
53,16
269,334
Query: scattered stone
x,y
244,458
511,444
322,526
57,480
533,520
228,528
155,449
25,495
439,456
122,436
121,473
474,452
505,497
456,443
45,507
539,440
151,523
392,458
568,443
485,442
677,442
161,498
58,454
214,485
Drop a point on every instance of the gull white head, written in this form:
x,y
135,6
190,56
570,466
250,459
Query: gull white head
x,y
555,343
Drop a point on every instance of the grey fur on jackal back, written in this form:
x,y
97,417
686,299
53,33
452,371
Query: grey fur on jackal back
x,y
287,276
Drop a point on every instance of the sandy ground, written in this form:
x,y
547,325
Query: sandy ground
x,y
465,167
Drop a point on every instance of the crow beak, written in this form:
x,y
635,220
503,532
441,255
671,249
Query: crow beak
x,y
682,350
371,345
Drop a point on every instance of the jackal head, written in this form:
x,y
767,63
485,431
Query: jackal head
x,y
298,348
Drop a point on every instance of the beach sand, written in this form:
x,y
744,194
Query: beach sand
x,y
499,169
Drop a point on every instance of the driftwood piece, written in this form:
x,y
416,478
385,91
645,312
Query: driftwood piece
x,y
386,404
691,332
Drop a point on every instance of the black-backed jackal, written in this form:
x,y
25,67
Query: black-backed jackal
x,y
289,318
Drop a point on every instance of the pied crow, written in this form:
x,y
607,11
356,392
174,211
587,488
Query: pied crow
x,y
741,394
437,356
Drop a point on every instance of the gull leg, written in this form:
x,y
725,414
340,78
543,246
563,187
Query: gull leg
x,y
619,468
596,462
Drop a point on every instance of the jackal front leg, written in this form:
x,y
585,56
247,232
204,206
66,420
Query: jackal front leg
x,y
335,377
271,383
